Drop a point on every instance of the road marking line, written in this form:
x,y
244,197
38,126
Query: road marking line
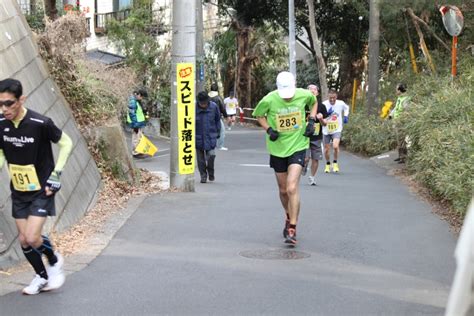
x,y
252,165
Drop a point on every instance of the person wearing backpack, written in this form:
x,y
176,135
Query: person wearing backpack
x,y
136,119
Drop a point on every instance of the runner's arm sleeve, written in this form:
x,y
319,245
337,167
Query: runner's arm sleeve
x,y
65,147
346,109
2,158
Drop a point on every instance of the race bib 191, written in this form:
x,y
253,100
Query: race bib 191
x,y
332,126
24,178
288,122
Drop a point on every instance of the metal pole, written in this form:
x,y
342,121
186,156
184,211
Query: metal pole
x,y
454,50
183,51
292,36
200,78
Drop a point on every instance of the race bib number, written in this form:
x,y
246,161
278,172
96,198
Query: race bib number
x,y
288,122
24,178
332,126
231,105
316,129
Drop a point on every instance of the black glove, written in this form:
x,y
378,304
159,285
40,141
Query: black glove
x,y
310,127
53,181
273,134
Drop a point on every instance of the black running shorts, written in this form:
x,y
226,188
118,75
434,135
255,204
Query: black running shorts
x,y
42,207
281,164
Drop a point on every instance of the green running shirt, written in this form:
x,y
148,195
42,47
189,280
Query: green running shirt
x,y
288,118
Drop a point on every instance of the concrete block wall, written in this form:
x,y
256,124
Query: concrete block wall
x,y
19,58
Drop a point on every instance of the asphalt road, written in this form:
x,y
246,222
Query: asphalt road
x,y
368,246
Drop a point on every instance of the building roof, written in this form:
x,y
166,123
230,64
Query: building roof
x,y
104,57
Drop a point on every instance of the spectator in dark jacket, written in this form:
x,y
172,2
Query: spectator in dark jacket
x,y
208,126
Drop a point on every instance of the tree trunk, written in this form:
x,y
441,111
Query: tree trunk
x,y
374,51
317,50
346,75
50,9
423,46
244,65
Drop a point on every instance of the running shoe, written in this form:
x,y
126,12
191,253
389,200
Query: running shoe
x,y
291,236
335,167
211,178
35,286
327,169
285,229
56,275
311,180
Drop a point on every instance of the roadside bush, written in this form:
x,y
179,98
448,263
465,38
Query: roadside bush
x,y
368,135
96,94
439,123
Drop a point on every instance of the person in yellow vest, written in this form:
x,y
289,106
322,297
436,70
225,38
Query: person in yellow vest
x,y
136,118
402,102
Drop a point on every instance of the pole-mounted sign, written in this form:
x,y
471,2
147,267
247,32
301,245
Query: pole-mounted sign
x,y
185,75
453,21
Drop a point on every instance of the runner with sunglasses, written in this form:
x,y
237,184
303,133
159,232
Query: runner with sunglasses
x,y
25,144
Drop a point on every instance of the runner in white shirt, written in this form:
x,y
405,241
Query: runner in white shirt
x,y
231,106
338,114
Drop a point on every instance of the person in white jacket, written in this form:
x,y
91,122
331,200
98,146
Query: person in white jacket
x,y
338,115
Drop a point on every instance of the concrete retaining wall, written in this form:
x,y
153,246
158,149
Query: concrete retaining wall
x,y
19,58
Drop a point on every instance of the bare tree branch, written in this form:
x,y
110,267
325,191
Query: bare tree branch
x,y
413,16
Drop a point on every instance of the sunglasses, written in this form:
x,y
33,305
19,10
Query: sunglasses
x,y
7,103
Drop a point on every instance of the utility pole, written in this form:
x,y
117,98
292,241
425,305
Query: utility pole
x,y
374,52
292,36
183,70
199,48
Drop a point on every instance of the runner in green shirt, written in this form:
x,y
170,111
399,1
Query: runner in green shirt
x,y
282,114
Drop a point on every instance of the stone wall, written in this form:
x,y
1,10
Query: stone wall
x,y
19,59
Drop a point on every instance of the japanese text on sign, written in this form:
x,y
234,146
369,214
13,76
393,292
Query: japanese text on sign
x,y
186,107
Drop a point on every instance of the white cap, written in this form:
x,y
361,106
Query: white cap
x,y
286,85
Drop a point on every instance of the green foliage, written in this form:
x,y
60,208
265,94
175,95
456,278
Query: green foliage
x,y
136,36
164,101
256,12
439,124
273,58
266,45
220,57
369,135
307,73
36,19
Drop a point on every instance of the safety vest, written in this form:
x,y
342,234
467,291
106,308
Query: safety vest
x,y
138,113
400,105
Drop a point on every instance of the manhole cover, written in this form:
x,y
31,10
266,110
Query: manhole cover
x,y
279,254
